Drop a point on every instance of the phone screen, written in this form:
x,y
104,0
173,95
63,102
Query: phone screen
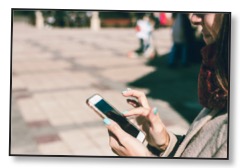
x,y
111,113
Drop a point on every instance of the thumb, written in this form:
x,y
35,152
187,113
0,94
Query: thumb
x,y
153,116
113,127
155,120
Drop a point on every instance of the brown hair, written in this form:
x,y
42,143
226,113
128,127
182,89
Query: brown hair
x,y
223,56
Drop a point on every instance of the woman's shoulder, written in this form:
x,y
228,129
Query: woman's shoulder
x,y
213,113
219,118
218,126
211,121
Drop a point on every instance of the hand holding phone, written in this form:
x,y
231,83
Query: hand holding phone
x,y
104,109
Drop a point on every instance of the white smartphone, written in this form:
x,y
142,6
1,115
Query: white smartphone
x,y
104,109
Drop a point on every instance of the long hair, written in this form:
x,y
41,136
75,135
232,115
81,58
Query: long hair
x,y
223,56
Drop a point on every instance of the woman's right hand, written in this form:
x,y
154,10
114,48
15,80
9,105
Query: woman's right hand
x,y
156,133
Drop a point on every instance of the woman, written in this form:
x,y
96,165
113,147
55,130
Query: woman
x,y
207,136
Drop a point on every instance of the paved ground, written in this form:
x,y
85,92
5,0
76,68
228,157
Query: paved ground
x,y
55,70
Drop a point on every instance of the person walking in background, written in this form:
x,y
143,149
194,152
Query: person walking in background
x,y
207,137
144,28
183,39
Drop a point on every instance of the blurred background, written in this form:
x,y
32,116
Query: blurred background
x,y
62,57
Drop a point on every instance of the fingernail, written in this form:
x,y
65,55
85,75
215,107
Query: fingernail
x,y
155,110
123,92
106,121
124,112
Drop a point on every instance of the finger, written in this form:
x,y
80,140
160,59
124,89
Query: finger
x,y
137,94
134,103
115,129
140,111
150,114
154,118
116,152
116,147
153,114
111,135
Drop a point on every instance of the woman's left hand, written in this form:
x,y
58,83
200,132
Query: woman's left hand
x,y
122,143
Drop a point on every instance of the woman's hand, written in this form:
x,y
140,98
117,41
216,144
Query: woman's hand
x,y
122,143
148,119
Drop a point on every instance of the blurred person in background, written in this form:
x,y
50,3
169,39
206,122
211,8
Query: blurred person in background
x,y
207,137
183,40
144,28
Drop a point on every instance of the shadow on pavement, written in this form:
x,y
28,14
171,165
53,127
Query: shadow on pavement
x,y
177,86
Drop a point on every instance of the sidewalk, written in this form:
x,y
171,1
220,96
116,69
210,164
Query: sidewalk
x,y
54,71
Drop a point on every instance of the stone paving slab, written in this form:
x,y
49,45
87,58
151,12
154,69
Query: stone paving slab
x,y
56,70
